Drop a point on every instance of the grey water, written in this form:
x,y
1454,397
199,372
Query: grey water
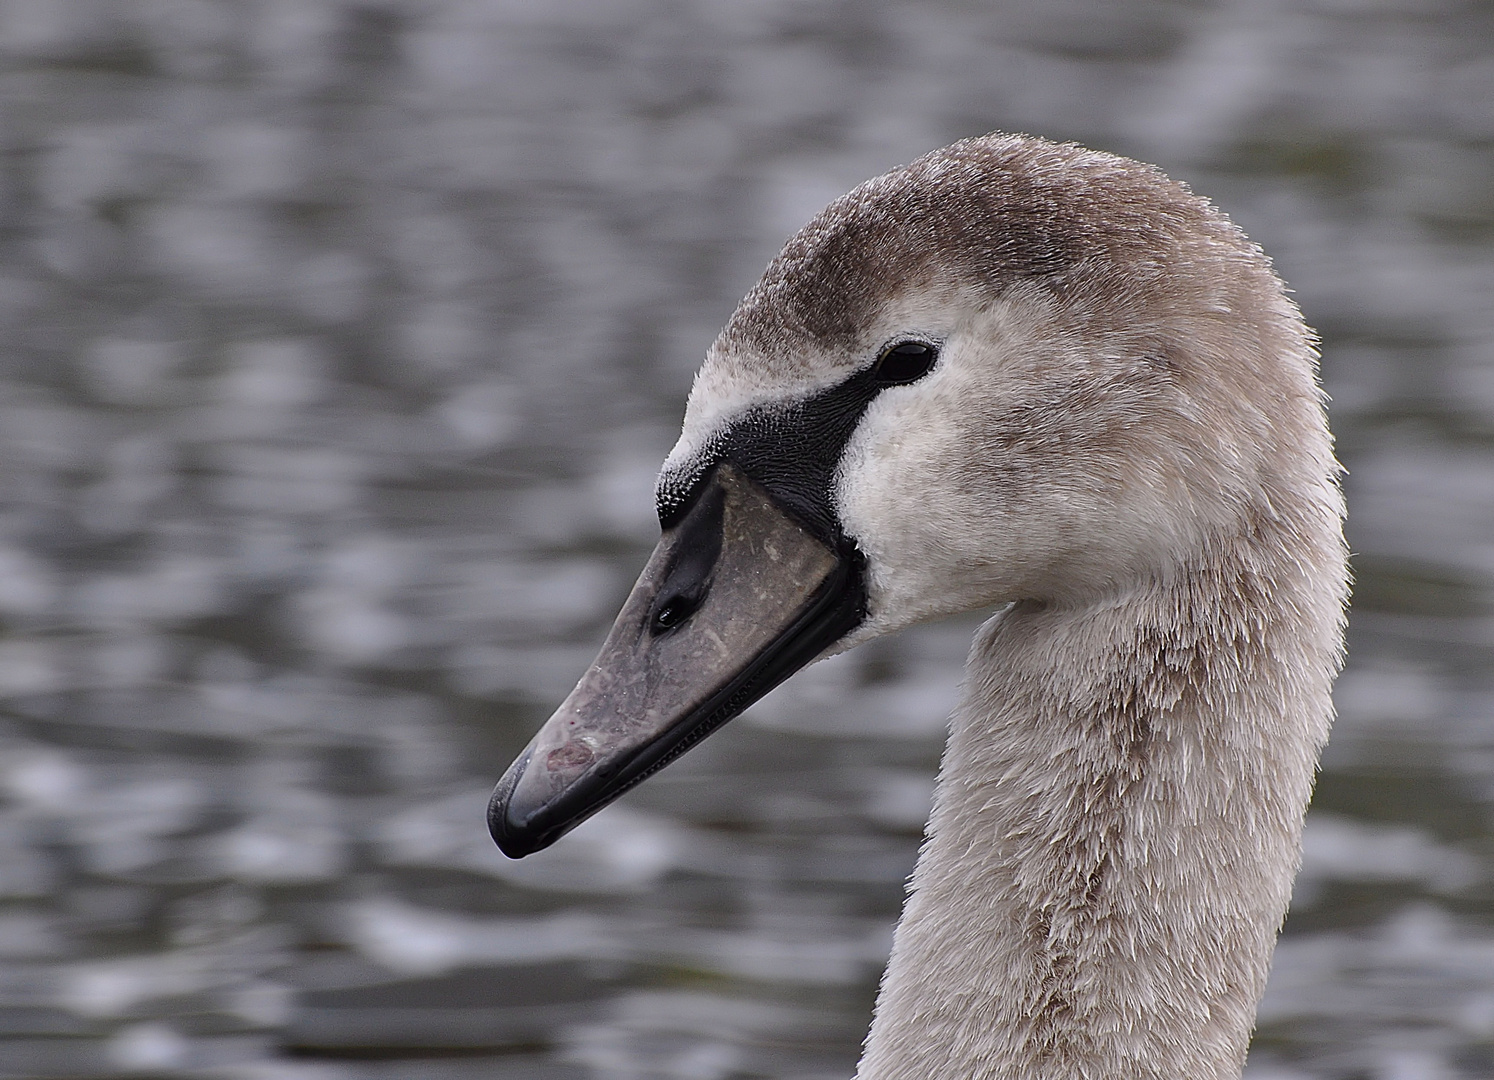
x,y
342,339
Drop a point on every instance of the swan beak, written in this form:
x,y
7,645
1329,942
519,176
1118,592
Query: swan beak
x,y
735,599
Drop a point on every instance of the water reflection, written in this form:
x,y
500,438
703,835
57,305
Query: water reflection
x,y
342,343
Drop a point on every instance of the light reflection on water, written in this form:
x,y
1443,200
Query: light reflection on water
x,y
342,343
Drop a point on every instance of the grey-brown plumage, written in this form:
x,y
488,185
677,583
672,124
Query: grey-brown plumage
x,y
1116,440
1126,441
981,214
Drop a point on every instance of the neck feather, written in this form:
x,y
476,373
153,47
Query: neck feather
x,y
1117,825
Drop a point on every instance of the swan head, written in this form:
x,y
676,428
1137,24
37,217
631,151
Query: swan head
x,y
1010,371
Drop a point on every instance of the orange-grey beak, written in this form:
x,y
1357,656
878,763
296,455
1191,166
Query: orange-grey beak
x,y
736,597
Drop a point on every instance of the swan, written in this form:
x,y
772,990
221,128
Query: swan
x,y
1031,378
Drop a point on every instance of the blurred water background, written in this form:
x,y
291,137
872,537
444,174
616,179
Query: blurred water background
x,y
342,339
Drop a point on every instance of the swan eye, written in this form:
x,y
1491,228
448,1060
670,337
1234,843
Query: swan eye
x,y
905,363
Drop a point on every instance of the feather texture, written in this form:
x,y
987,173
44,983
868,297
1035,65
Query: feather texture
x,y
1123,447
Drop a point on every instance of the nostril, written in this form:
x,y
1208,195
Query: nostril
x,y
674,611
696,545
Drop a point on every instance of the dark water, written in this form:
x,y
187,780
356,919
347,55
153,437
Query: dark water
x,y
341,343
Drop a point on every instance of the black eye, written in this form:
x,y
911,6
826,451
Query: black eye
x,y
905,363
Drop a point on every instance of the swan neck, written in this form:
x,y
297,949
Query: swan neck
x,y
1116,829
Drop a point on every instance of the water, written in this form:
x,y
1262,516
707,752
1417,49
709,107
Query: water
x,y
342,341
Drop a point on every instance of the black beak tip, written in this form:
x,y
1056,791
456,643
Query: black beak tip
x,y
513,836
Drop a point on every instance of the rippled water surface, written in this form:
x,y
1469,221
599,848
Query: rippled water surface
x,y
342,341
